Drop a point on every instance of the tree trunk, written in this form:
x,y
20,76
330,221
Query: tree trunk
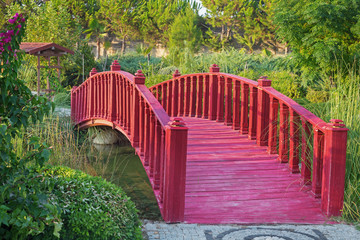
x,y
123,45
98,49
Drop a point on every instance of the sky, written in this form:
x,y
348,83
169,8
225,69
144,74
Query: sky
x,y
202,9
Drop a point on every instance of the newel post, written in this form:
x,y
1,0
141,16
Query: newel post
x,y
115,66
175,94
139,79
175,170
262,131
213,91
93,72
334,166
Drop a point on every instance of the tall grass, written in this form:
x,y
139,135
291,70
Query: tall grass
x,y
344,104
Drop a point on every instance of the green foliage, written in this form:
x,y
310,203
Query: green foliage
x,y
320,33
62,99
78,66
24,208
96,30
91,208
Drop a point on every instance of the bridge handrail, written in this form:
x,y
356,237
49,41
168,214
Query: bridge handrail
x,y
121,100
272,119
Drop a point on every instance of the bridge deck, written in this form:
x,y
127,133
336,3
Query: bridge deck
x,y
230,179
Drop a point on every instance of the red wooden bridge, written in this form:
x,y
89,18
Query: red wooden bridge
x,y
240,153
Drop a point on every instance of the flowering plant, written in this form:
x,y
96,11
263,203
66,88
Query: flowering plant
x,y
24,208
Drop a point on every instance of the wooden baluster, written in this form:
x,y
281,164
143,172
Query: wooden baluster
x,y
283,133
220,99
157,155
181,97
139,80
206,110
199,96
193,96
175,175
305,153
162,168
317,162
118,99
123,103
169,98
228,102
175,94
128,106
160,94
88,99
152,144
142,126
236,105
187,96
213,91
294,142
73,104
164,96
147,136
81,96
334,168
273,125
244,116
262,131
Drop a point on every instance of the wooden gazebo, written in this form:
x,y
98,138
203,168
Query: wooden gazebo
x,y
47,50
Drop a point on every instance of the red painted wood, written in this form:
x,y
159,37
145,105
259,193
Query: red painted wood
x,y
262,131
284,133
182,97
187,96
175,98
236,105
317,162
228,101
305,152
206,101
199,96
253,113
221,164
220,99
244,121
193,95
213,91
333,181
273,125
294,142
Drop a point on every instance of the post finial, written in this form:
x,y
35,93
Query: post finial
x,y
176,73
139,77
337,123
93,72
177,122
264,81
214,68
115,66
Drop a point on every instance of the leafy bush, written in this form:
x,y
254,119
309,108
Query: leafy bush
x,y
91,208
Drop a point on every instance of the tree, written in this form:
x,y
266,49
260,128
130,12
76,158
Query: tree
x,y
119,18
97,30
320,33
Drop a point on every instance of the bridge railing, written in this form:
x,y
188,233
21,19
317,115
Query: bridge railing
x,y
270,118
122,101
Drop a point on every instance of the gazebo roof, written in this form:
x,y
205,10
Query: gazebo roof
x,y
44,49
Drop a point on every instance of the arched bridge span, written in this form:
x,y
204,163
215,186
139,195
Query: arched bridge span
x,y
240,153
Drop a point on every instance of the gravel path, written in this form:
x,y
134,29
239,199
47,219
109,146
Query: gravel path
x,y
160,230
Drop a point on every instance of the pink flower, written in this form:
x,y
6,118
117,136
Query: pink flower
x,y
12,21
22,20
17,32
18,26
10,33
9,48
16,15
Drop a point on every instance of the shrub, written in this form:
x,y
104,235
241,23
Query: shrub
x,y
62,99
91,208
